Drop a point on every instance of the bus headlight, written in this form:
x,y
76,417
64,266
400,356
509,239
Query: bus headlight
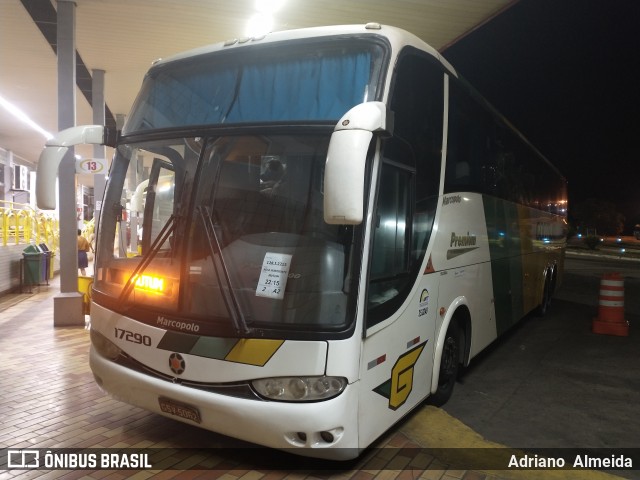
x,y
299,389
104,346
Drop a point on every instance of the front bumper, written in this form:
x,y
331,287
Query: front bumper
x,y
324,429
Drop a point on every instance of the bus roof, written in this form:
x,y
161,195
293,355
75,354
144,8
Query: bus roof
x,y
397,37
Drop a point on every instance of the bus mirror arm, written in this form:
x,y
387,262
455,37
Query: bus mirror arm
x,y
54,151
344,174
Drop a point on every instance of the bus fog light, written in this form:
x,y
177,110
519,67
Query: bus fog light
x,y
299,389
104,346
327,437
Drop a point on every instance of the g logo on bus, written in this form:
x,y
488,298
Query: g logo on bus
x,y
176,363
399,386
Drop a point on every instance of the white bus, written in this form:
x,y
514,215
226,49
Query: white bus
x,y
305,235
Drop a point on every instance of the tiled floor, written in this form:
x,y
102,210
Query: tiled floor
x,y
48,400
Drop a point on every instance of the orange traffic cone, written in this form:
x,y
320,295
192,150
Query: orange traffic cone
x,y
610,320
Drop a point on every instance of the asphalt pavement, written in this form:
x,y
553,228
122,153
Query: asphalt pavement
x,y
552,383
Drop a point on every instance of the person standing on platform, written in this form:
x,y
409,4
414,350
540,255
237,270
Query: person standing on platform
x,y
83,249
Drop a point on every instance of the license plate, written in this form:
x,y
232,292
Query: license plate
x,y
179,409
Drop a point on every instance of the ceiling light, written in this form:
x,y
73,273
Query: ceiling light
x,y
23,117
260,24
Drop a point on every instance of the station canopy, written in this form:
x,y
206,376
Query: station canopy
x,y
123,38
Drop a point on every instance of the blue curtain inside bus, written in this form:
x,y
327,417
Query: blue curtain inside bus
x,y
203,93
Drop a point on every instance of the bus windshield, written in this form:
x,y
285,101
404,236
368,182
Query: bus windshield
x,y
308,81
225,235
208,228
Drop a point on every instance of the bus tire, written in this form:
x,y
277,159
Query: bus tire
x,y
449,366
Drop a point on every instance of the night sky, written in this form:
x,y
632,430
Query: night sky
x,y
566,73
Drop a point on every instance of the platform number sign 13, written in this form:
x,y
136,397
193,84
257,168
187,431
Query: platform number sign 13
x,y
91,165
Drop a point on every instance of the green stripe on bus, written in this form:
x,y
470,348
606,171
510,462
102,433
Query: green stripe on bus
x,y
505,248
248,351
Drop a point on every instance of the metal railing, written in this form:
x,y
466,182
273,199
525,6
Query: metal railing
x,y
21,224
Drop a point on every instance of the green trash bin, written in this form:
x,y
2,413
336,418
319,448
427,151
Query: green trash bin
x,y
32,272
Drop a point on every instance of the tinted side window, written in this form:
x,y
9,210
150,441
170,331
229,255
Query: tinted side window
x,y
485,155
471,146
408,183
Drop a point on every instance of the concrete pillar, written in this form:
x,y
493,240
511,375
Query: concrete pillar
x,y
67,305
98,104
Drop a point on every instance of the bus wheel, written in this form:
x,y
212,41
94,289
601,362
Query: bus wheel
x,y
449,366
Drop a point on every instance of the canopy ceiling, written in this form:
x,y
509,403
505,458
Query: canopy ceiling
x,y
123,37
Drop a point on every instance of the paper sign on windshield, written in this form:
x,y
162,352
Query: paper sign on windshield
x,y
274,274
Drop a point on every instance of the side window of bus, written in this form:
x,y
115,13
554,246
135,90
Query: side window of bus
x,y
485,155
390,257
418,105
471,149
408,183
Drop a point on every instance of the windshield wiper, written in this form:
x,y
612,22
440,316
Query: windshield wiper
x,y
228,296
162,237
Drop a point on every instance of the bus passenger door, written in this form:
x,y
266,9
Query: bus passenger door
x,y
397,355
395,369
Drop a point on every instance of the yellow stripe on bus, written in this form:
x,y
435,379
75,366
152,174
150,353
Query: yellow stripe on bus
x,y
253,351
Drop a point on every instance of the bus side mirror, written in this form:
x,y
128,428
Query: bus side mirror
x,y
55,149
344,173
